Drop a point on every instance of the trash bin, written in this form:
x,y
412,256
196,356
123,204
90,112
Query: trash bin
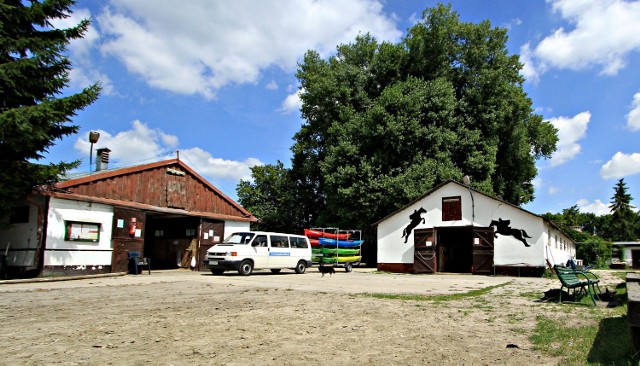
x,y
134,259
133,267
3,266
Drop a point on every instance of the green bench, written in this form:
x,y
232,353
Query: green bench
x,y
577,282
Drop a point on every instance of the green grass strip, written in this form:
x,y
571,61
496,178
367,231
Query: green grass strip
x,y
605,342
449,297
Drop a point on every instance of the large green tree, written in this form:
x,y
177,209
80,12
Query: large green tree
x,y
386,122
272,197
34,71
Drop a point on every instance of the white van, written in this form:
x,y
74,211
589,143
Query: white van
x,y
249,250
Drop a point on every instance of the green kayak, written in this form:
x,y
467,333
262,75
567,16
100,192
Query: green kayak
x,y
340,251
349,259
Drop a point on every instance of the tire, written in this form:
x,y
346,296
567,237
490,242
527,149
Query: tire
x,y
348,267
275,270
301,267
217,271
246,267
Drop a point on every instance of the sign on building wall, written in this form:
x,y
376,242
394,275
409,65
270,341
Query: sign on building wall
x,y
82,231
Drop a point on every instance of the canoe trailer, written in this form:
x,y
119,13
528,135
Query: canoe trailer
x,y
335,247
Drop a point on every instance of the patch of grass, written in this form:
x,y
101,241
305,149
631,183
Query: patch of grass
x,y
603,337
605,342
451,297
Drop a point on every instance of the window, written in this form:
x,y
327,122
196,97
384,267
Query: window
x,y
191,232
451,208
81,231
260,241
278,241
298,242
19,215
239,238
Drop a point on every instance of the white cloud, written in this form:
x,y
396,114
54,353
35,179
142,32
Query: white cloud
x,y
597,207
291,103
570,131
603,33
142,144
202,46
83,72
633,118
219,168
529,69
621,165
135,145
272,85
552,190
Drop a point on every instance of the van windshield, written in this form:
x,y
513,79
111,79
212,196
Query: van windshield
x,y
238,238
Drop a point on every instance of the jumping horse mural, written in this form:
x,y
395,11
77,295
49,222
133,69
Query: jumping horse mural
x,y
503,228
416,219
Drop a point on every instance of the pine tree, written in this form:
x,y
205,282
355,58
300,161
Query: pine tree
x,y
33,75
623,216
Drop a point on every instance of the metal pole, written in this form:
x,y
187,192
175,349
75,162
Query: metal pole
x,y
90,158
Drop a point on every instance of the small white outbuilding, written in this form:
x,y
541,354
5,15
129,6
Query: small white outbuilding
x,y
454,228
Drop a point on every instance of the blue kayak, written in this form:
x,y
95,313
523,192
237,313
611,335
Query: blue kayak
x,y
340,243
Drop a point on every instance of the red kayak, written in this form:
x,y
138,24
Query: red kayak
x,y
314,242
315,234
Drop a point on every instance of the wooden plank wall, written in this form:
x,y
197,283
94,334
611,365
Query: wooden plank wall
x,y
160,187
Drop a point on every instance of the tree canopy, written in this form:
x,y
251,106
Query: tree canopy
x,y
385,122
33,73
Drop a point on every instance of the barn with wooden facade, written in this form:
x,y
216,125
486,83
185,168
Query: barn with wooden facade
x,y
454,228
164,210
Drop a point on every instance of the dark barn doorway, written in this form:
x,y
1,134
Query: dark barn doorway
x,y
167,240
455,250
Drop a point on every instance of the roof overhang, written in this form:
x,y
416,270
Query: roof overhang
x,y
151,208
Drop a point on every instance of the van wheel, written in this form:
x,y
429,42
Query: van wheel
x,y
217,271
246,267
348,267
275,270
301,267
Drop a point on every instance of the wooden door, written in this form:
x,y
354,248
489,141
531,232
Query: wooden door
x,y
424,254
482,251
122,241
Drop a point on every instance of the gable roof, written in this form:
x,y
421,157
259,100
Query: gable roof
x,y
101,187
431,191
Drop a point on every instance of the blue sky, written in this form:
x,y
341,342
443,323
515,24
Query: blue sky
x,y
215,80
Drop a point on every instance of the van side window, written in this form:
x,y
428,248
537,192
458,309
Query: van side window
x,y
278,241
298,242
260,241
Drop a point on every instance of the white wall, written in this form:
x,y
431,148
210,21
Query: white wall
x,y
477,212
231,227
22,240
559,248
61,252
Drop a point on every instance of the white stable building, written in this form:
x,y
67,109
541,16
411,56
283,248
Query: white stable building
x,y
454,228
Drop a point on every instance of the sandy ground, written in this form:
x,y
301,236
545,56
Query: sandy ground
x,y
182,317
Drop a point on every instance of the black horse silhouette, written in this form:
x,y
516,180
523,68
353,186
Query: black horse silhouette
x,y
416,219
503,228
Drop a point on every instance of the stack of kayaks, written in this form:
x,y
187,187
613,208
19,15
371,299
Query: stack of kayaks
x,y
330,247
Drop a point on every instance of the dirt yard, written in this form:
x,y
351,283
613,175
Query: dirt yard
x,y
183,317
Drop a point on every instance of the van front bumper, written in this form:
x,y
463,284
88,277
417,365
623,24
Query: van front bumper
x,y
223,264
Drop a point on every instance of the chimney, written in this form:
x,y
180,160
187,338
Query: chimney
x,y
102,159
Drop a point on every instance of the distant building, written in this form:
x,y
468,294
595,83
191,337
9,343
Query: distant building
x,y
454,228
630,253
89,224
